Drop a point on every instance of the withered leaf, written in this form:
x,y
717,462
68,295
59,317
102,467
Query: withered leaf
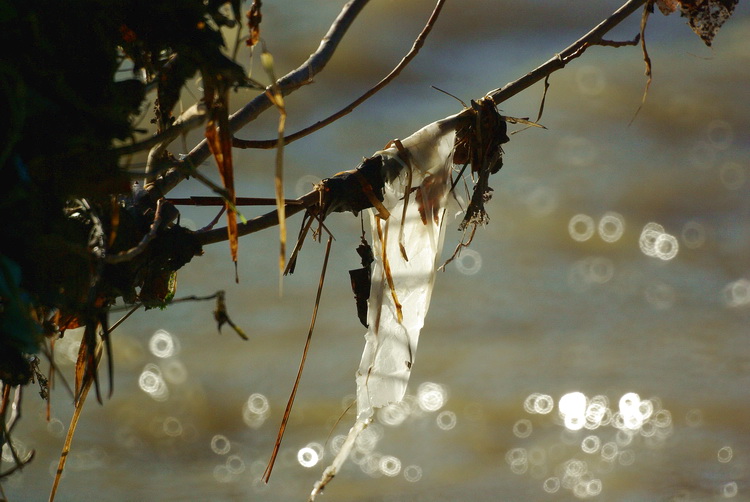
x,y
480,144
361,279
705,17
222,317
219,140
254,17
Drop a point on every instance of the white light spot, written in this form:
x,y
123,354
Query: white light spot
x,y
307,457
255,411
609,451
590,444
370,465
575,468
666,247
580,489
594,487
597,411
151,382
543,404
162,344
319,449
235,464
412,473
662,419
572,407
516,456
551,485
258,403
581,227
528,403
368,439
519,467
725,454
629,403
172,427
394,414
389,465
649,234
431,396
446,420
737,293
611,227
729,490
220,444
522,428
469,262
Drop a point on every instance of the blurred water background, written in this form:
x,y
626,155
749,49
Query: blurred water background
x,y
591,344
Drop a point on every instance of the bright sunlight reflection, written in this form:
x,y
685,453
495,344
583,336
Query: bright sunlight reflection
x,y
596,436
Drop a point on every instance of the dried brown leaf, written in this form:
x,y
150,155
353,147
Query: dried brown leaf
x,y
219,140
254,17
705,17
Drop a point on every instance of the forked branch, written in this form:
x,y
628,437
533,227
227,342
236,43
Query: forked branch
x,y
559,61
287,84
418,43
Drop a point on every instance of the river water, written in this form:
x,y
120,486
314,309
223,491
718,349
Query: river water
x,y
591,344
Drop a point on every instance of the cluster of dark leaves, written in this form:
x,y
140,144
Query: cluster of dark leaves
x,y
66,202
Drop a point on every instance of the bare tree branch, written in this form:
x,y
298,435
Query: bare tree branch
x,y
192,118
155,226
418,43
287,84
593,37
268,220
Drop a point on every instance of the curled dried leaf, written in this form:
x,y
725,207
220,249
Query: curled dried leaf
x,y
254,17
705,17
222,317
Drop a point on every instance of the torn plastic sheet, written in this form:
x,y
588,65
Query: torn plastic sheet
x,y
406,247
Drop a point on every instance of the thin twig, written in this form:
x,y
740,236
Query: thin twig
x,y
618,43
573,51
195,200
290,403
646,58
135,251
72,429
191,119
499,95
268,220
287,84
418,43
